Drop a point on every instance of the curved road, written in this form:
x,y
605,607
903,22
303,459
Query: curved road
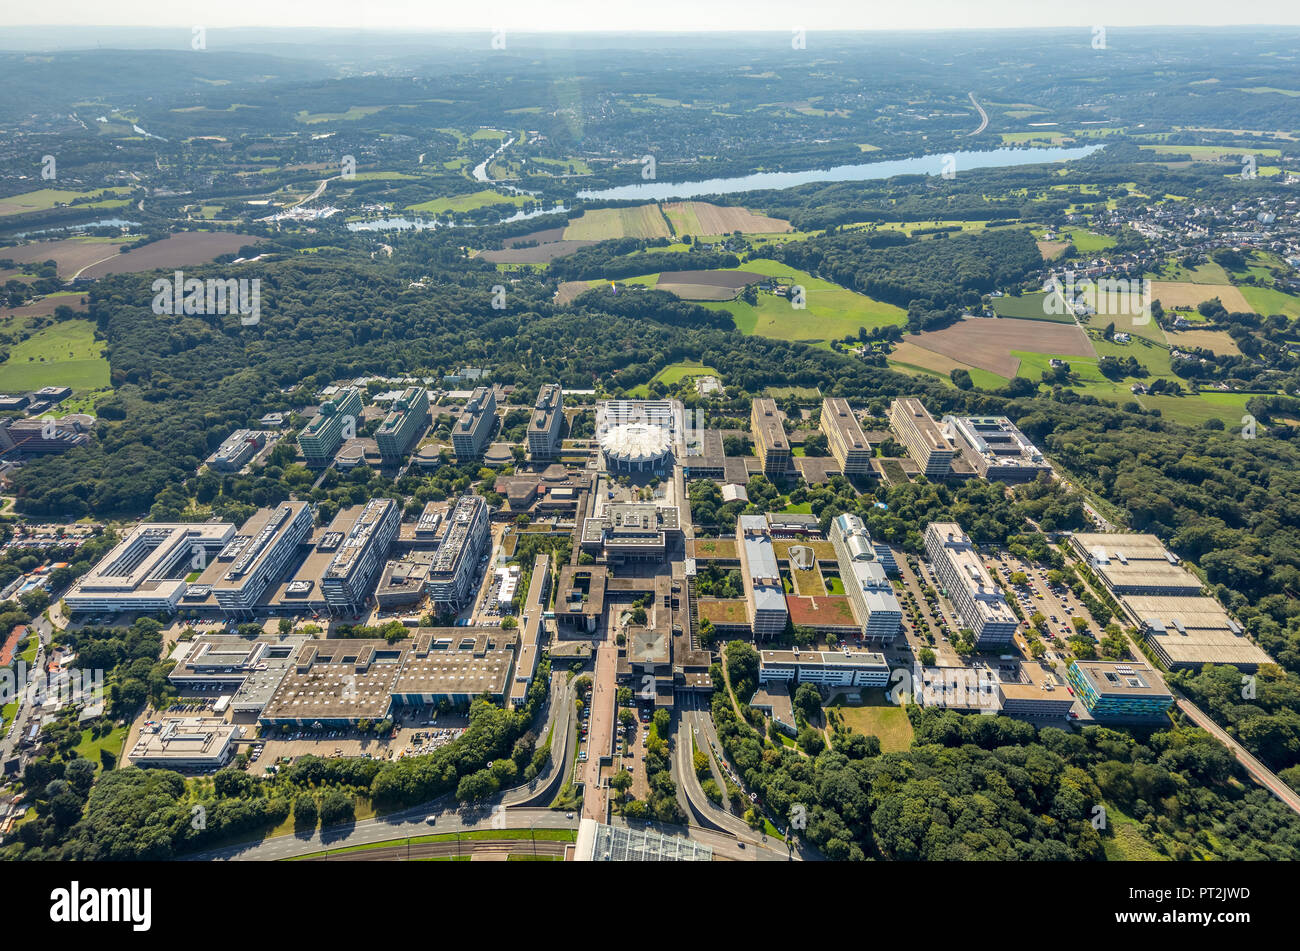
x,y
1258,771
984,116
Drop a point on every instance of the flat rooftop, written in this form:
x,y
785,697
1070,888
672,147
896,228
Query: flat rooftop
x,y
1134,561
767,420
914,411
1123,678
838,416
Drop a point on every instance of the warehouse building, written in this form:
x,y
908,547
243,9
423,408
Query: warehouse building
x,y
764,593
470,435
451,576
547,422
770,441
403,425
848,443
996,448
456,665
925,441
1135,565
979,603
844,668
146,571
866,581
338,419
1188,632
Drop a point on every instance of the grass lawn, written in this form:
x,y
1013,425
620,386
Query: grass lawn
x,y
89,748
1028,307
354,112
46,198
463,203
1087,242
1266,301
832,311
673,374
64,353
876,716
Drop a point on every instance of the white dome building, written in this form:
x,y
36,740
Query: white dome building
x,y
636,447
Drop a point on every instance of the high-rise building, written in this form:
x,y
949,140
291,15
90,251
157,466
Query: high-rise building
x,y
847,442
348,580
764,593
452,573
337,418
546,422
403,425
996,448
865,581
770,441
922,436
258,554
470,435
979,603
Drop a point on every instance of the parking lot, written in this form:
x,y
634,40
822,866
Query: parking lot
x,y
1058,604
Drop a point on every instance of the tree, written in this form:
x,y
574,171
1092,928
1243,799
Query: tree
x,y
336,806
926,656
305,812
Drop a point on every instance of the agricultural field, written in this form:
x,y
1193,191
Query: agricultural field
x,y
66,353
1216,341
70,254
46,198
992,345
603,224
177,250
1087,241
1266,301
706,285
353,113
1028,307
911,359
463,203
703,218
540,254
1211,153
45,306
832,311
1178,295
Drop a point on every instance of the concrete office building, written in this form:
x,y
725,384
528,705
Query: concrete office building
x,y
451,576
1119,690
770,441
546,423
1134,565
349,579
848,444
925,441
146,571
237,450
470,434
336,682
339,418
631,531
995,448
404,580
185,743
456,665
764,593
865,581
531,631
257,556
844,668
979,603
403,425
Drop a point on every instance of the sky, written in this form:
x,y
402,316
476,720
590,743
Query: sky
x,y
652,15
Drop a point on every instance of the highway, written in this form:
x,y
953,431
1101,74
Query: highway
x,y
984,116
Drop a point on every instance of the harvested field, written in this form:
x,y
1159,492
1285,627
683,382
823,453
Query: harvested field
x,y
1217,341
732,279
45,306
1172,294
910,353
545,236
698,291
569,290
702,218
988,343
602,224
1050,249
177,250
540,254
71,254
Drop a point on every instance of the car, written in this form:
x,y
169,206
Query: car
x,y
431,820
568,815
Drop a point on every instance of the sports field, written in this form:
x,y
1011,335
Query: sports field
x,y
66,353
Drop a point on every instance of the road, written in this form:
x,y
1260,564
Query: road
x,y
1258,771
984,116
21,722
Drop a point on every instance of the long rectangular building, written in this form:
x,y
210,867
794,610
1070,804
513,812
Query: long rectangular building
x,y
470,434
844,435
184,743
764,593
925,441
348,581
403,425
257,556
770,441
237,450
865,580
828,668
546,423
1134,564
452,573
146,571
979,603
337,419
